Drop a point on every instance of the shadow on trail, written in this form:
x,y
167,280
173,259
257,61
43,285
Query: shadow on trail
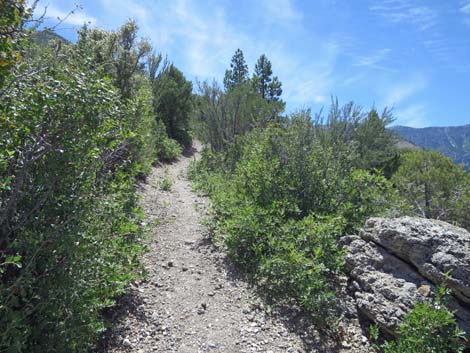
x,y
129,304
189,152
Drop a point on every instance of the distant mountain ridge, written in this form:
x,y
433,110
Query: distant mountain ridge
x,y
452,141
44,37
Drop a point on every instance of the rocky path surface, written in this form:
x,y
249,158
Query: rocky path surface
x,y
192,302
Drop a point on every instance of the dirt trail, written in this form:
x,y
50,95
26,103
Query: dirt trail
x,y
192,301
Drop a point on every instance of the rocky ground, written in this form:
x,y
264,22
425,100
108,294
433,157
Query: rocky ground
x,y
193,301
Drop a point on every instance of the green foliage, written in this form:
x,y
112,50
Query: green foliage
x,y
119,55
78,129
13,15
266,85
238,73
173,103
376,143
166,148
69,214
220,117
434,186
166,184
282,196
429,328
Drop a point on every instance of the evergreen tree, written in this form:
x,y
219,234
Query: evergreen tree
x,y
267,86
274,89
238,72
262,76
376,144
434,186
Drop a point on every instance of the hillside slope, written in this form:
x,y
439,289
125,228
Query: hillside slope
x,y
452,141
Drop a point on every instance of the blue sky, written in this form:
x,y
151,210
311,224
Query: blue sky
x,y
411,55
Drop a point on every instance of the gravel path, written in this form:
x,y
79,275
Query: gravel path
x,y
192,301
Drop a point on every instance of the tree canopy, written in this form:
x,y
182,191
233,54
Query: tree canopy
x,y
238,72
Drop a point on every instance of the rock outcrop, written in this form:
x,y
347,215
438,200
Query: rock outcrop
x,y
394,263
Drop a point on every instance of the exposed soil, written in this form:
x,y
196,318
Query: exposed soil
x,y
193,300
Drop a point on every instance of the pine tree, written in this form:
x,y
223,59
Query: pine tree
x,y
274,89
262,75
266,85
238,72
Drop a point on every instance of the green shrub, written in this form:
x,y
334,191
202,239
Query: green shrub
x,y
302,262
166,149
166,184
429,328
282,196
69,214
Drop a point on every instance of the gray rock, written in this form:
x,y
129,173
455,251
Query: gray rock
x,y
126,343
387,285
433,247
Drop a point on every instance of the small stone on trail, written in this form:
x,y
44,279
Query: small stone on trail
x,y
126,342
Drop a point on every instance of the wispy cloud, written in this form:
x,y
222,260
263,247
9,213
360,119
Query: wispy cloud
x,y
465,9
315,81
439,47
374,60
404,98
74,16
204,39
422,18
281,10
413,115
399,93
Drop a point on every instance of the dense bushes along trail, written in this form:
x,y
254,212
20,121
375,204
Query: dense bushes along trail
x,y
192,301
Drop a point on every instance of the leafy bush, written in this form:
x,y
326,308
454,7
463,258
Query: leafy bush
x,y
429,328
173,103
220,117
78,128
69,213
303,261
283,195
166,148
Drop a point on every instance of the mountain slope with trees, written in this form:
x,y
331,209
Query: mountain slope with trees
x,y
452,141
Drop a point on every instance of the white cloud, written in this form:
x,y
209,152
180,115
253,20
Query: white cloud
x,y
314,81
405,11
373,59
412,115
74,16
400,93
202,37
465,9
281,10
440,47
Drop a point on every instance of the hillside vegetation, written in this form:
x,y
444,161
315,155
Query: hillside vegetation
x,y
285,189
452,141
82,123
